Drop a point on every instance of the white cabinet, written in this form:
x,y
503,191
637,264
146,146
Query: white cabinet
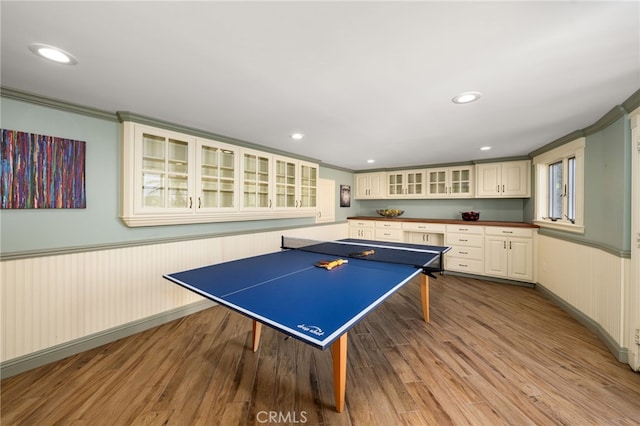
x,y
406,184
256,169
370,185
509,253
277,183
295,184
216,177
450,182
162,170
467,251
326,201
173,178
362,229
388,231
507,179
424,233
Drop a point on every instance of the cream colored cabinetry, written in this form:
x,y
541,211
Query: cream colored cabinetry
x,y
467,252
388,231
326,201
295,184
507,179
173,178
256,170
406,184
450,182
370,185
424,233
216,177
362,229
509,253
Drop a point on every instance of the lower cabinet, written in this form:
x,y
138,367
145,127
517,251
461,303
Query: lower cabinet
x,y
389,231
509,253
466,254
361,229
424,233
502,252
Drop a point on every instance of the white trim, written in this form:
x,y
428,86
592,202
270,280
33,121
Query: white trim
x,y
541,163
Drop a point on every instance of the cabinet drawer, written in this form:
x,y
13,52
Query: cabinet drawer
x,y
434,228
388,225
464,229
464,240
509,232
388,234
362,223
464,265
474,253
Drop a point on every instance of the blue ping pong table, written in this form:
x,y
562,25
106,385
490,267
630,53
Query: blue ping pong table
x,y
288,292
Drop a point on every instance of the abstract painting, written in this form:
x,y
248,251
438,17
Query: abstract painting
x,y
41,172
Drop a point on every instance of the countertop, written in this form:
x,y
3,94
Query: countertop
x,y
447,221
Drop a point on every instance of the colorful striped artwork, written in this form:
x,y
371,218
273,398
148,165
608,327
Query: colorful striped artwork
x,y
41,172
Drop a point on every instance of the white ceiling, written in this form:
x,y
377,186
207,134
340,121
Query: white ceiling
x,y
362,80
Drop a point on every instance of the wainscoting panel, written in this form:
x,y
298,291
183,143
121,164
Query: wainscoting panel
x,y
589,279
50,300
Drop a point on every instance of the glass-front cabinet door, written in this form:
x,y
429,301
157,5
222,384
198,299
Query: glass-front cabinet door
x,y
415,184
308,186
437,182
461,181
285,183
256,180
165,173
171,178
396,184
217,182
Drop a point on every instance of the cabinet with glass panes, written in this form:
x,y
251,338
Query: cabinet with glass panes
x,y
295,184
172,178
405,184
217,180
450,182
256,177
165,172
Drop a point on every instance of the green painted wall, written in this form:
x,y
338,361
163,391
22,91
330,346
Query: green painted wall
x,y
98,224
607,194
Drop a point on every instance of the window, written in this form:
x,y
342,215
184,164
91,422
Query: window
x,y
560,187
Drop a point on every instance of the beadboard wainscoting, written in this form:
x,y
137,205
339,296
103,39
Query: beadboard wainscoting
x,y
592,284
52,302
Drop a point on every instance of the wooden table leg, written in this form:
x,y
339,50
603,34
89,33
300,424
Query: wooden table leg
x,y
339,348
257,329
424,293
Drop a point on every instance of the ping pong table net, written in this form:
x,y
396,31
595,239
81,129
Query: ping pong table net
x,y
428,259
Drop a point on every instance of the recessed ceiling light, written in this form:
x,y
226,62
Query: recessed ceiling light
x,y
297,136
466,97
485,148
371,161
53,54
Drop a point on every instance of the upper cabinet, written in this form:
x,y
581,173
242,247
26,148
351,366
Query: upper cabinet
x,y
450,182
295,184
506,179
174,178
257,173
370,185
406,184
217,181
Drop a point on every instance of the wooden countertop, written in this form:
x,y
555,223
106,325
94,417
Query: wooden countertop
x,y
447,221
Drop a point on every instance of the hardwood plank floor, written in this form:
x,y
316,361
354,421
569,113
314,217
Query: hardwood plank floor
x,y
492,354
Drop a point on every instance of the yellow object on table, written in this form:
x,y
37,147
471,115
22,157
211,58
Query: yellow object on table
x,y
330,264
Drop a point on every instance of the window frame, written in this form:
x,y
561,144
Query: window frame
x,y
562,154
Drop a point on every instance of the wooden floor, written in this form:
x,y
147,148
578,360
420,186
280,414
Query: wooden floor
x,y
492,354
